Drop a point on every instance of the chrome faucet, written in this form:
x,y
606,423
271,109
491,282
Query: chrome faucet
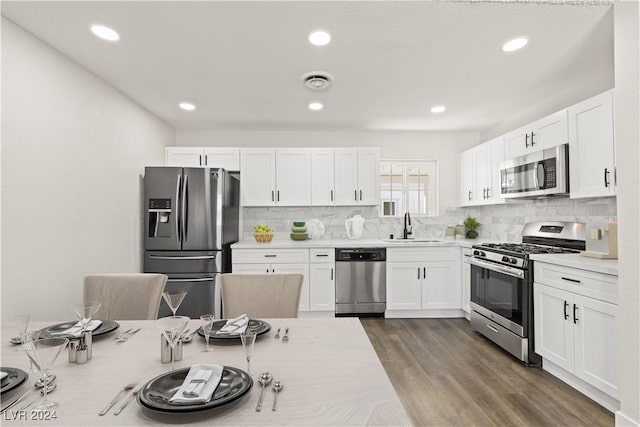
x,y
407,226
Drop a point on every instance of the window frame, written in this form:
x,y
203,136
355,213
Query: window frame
x,y
434,187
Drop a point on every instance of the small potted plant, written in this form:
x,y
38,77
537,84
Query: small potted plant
x,y
471,224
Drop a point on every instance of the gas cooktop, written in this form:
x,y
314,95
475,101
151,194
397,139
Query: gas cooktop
x,y
523,249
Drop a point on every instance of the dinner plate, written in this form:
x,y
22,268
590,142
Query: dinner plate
x,y
14,378
51,331
258,326
155,394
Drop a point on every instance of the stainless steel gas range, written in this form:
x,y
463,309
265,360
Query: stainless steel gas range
x,y
502,284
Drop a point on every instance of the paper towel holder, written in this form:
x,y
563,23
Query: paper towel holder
x,y
612,242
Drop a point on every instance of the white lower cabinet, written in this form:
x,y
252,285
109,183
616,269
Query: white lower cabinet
x,y
466,281
322,288
424,281
316,265
576,332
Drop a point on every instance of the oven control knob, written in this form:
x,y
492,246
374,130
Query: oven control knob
x,y
505,259
514,261
479,253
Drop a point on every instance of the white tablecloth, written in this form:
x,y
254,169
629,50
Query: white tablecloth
x,y
331,374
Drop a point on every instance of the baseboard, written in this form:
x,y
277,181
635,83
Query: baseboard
x,y
444,313
585,388
623,421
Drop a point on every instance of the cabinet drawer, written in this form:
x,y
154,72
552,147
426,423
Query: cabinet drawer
x,y
588,283
322,255
423,254
276,256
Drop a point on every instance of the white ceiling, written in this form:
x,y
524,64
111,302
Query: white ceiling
x,y
240,62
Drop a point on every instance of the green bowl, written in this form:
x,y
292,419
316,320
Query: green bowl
x,y
299,236
299,229
298,223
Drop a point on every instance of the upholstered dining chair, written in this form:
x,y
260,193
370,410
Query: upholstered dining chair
x,y
260,295
134,296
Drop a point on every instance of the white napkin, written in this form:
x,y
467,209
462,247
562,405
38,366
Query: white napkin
x,y
76,330
202,380
235,326
3,375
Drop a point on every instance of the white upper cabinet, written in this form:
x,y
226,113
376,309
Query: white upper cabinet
x,y
293,177
226,158
547,132
322,177
275,177
357,176
480,173
258,180
591,147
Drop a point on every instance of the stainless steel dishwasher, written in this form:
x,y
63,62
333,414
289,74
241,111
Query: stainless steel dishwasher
x,y
361,282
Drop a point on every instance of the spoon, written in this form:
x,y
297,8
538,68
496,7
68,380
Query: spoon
x,y
277,334
277,386
264,379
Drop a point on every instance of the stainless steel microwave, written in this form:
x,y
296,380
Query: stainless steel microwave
x,y
542,173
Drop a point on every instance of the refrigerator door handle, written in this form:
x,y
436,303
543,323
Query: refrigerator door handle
x,y
178,181
203,279
182,257
183,215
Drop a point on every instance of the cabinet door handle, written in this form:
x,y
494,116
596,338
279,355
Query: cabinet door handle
x,y
332,195
270,256
469,194
566,315
424,272
273,270
360,195
526,141
273,199
575,318
606,173
355,195
267,269
200,159
318,255
418,272
331,273
206,162
570,280
532,135
278,195
488,196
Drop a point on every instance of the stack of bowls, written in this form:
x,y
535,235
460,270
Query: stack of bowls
x,y
299,231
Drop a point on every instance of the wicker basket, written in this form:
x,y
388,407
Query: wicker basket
x,y
263,237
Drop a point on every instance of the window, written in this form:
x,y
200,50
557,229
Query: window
x,y
408,186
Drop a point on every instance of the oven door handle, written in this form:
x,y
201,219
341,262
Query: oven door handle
x,y
499,268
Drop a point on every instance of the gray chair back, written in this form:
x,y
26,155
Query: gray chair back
x,y
133,296
260,295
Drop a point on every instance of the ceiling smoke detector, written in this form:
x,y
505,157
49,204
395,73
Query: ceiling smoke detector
x,y
317,80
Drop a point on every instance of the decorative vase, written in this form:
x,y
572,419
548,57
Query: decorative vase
x,y
472,234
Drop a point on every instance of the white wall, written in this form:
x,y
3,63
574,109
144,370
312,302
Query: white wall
x,y
627,116
73,151
441,146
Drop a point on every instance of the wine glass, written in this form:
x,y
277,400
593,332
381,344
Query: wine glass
x,y
43,353
172,327
85,311
207,327
22,322
248,339
174,299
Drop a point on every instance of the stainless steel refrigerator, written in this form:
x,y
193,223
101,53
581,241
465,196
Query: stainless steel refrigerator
x,y
191,220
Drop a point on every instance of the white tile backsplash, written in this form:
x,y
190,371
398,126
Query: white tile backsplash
x,y
499,222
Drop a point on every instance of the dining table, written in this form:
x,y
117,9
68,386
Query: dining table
x,y
329,370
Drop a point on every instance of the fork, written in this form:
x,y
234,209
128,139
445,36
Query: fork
x,y
122,334
118,397
129,399
285,338
128,335
277,334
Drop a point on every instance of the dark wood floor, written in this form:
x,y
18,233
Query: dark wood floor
x,y
448,375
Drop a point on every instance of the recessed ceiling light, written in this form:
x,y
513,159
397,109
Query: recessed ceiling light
x,y
319,38
316,106
187,106
515,44
105,33
438,109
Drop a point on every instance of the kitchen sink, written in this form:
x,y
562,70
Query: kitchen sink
x,y
418,240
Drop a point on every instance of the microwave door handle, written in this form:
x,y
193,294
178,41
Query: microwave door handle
x,y
540,176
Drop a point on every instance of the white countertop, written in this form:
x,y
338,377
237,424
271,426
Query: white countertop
x,y
346,243
605,266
